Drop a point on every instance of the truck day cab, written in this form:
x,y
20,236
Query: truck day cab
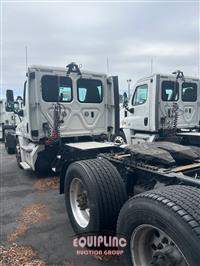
x,y
9,120
147,192
160,104
86,110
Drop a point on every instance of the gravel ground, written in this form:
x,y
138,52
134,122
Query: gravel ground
x,y
35,229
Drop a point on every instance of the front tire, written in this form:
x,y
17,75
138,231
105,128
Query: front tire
x,y
94,195
162,227
10,150
119,139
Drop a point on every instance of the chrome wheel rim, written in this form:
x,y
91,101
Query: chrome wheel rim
x,y
151,246
119,140
79,203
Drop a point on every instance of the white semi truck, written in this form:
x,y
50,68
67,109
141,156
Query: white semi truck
x,y
149,193
53,107
9,120
160,106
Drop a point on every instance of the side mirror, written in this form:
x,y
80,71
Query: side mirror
x,y
131,110
9,106
125,100
9,96
9,101
125,104
21,113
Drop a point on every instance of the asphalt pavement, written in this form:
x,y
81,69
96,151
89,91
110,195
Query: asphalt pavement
x,y
35,229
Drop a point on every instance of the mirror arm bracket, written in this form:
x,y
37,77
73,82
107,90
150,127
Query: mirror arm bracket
x,y
130,110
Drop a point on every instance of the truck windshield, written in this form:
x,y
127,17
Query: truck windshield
x,y
90,91
170,91
189,92
55,88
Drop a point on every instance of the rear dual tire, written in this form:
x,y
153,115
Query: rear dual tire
x,y
10,150
162,227
94,195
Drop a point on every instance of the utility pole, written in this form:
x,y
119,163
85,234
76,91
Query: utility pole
x,y
151,66
107,61
129,88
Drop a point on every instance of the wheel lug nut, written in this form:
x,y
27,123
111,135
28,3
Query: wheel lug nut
x,y
153,246
165,240
157,234
160,246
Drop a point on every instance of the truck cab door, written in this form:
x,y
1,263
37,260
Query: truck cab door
x,y
188,104
139,108
184,96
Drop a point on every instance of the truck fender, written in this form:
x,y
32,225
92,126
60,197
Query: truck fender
x,y
62,177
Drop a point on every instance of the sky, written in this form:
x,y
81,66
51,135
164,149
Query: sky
x,y
128,39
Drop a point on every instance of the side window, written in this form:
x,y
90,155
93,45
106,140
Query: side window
x,y
16,106
55,88
82,94
65,94
140,95
189,92
90,91
170,91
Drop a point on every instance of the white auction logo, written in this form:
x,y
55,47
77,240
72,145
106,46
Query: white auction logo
x,y
96,241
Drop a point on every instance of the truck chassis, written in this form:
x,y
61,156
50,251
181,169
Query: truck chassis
x,y
161,181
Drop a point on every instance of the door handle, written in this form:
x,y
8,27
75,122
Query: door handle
x,y
146,121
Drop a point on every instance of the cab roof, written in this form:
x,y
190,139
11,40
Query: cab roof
x,y
164,75
63,69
